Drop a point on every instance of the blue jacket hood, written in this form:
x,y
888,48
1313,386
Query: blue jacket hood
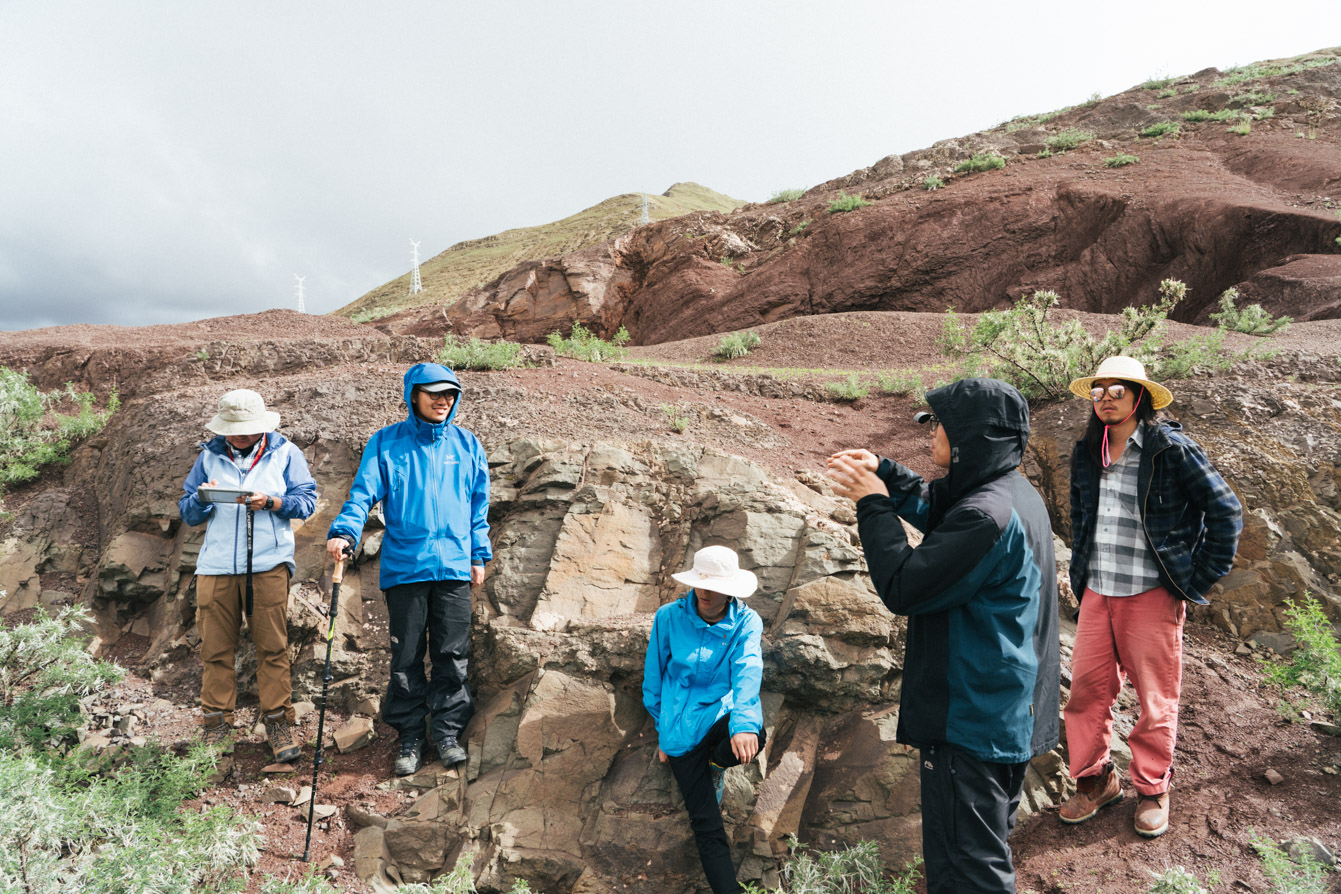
x,y
426,374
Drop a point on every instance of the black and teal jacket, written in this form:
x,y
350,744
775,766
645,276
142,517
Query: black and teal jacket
x,y
981,665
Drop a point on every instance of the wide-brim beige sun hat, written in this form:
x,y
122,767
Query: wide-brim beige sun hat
x,y
717,568
243,412
1129,369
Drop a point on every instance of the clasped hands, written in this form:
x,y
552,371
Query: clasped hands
x,y
852,474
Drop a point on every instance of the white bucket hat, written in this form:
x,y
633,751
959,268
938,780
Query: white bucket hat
x,y
717,568
1130,369
243,412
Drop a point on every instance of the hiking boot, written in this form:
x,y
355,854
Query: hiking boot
x,y
215,733
1092,792
1152,815
718,776
450,751
410,758
282,740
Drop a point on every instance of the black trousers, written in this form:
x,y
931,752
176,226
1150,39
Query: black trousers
x,y
705,814
429,618
968,809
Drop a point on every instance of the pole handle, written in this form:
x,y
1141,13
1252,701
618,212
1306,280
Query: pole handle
x,y
338,574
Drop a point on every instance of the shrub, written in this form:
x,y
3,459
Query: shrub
x,y
736,344
478,354
1254,98
1177,880
1198,115
1121,160
1166,93
785,195
980,161
1298,875
857,868
33,431
1160,129
581,344
851,388
1315,664
845,203
1069,139
800,227
902,383
1243,128
1243,73
1156,83
932,182
676,418
1251,320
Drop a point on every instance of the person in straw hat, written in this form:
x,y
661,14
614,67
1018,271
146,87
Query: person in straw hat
x,y
1153,527
248,550
701,684
980,688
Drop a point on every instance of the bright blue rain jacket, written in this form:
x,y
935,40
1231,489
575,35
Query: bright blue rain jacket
x,y
281,472
696,672
433,483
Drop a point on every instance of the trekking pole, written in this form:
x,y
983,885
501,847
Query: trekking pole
x,y
336,575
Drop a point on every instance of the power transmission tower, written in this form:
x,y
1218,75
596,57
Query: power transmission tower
x,y
300,279
646,218
416,284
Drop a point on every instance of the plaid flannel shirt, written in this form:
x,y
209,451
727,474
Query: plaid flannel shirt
x,y
1121,562
1189,515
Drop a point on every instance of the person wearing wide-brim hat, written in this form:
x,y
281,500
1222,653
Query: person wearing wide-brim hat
x,y
246,562
701,684
1153,527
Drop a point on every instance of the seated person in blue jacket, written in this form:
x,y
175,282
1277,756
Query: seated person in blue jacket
x,y
432,479
701,686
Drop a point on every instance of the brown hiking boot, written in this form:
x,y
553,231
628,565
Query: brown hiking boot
x,y
1152,815
1092,792
281,736
216,733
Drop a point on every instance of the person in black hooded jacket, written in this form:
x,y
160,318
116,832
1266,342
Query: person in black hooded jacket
x,y
980,689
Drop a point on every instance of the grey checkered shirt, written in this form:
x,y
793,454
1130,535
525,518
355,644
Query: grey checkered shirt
x,y
1122,563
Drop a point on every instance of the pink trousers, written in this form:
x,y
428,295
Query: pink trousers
x,y
1139,637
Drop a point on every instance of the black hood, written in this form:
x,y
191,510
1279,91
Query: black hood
x,y
987,424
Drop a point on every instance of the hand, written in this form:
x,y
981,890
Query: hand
x,y
662,756
852,473
213,482
745,746
337,548
255,501
476,575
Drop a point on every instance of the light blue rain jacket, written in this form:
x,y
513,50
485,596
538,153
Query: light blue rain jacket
x,y
281,472
696,672
433,483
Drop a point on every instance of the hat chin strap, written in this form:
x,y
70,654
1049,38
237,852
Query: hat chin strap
x,y
1103,448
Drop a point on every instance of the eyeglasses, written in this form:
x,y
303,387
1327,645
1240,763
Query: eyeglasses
x,y
436,397
932,424
1116,392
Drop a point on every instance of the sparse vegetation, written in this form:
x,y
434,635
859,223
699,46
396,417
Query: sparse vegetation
x,y
1299,874
851,388
800,227
1253,98
1166,93
785,195
34,431
1156,83
1243,73
202,355
1069,139
1177,880
1160,129
676,418
932,182
1251,320
476,353
736,344
581,344
901,382
980,161
1315,664
1243,128
1121,160
1198,115
845,203
856,869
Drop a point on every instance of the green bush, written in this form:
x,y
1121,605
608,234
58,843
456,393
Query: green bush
x,y
1161,129
34,431
1177,880
980,161
1300,875
856,869
1253,98
1198,115
1251,320
1156,83
851,388
800,227
1243,128
581,344
785,195
476,353
932,182
1243,73
845,203
736,344
676,418
1315,664
1121,160
1069,139
907,383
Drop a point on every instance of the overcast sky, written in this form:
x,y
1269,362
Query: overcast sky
x,y
170,161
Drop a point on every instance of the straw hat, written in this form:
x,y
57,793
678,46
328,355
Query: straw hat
x,y
717,568
1129,369
243,412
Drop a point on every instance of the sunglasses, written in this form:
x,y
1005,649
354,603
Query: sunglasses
x,y
1116,392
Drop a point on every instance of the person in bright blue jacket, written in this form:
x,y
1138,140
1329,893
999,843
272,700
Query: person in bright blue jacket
x,y
432,479
701,684
247,455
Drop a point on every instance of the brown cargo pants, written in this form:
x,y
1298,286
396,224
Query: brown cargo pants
x,y
219,609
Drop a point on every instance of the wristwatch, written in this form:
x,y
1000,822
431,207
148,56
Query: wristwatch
x,y
268,501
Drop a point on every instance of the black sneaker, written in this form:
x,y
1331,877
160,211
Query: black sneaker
x,y
411,756
450,751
